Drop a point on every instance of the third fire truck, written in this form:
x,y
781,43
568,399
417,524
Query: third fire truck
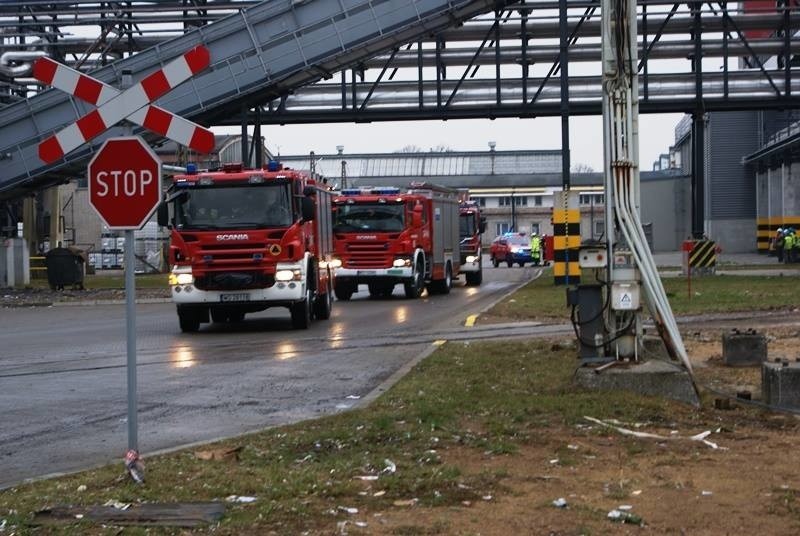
x,y
471,227
385,236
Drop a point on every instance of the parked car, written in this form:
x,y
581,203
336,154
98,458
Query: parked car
x,y
510,248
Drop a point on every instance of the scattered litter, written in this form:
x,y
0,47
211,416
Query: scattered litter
x,y
353,397
390,466
487,497
380,493
303,459
554,461
81,488
561,502
343,406
240,499
222,454
361,524
706,493
701,437
134,465
624,507
2,525
366,477
406,502
348,509
636,492
784,486
624,517
466,503
341,527
78,516
573,447
116,504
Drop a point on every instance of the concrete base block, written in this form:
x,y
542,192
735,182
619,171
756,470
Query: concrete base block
x,y
743,349
780,384
653,378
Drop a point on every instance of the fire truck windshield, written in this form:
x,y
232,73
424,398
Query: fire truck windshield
x,y
379,217
234,207
467,225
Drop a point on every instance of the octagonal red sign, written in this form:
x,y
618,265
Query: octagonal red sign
x,y
125,182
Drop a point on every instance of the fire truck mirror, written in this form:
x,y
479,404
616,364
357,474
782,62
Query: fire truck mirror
x,y
163,214
307,206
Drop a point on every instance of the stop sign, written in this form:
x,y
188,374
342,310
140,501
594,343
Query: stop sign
x,y
125,182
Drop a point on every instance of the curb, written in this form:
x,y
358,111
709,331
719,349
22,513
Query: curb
x,y
109,302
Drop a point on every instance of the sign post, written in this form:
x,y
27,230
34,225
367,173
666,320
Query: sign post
x,y
125,189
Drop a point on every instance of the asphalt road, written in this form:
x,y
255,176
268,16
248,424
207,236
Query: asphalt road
x,y
63,376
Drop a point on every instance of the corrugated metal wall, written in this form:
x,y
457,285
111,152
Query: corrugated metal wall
x,y
732,192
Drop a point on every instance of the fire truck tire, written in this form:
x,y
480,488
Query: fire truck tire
x,y
323,305
236,317
343,292
474,279
413,288
442,286
188,320
509,261
301,312
495,262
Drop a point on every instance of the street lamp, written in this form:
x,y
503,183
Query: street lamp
x,y
492,145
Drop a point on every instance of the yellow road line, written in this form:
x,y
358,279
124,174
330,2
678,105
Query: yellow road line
x,y
471,320
439,342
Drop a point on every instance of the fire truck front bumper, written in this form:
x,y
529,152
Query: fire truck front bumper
x,y
276,295
357,276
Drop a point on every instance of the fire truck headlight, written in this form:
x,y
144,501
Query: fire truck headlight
x,y
472,258
180,279
335,263
401,263
288,275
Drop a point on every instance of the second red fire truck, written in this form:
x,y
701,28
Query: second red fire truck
x,y
384,237
471,228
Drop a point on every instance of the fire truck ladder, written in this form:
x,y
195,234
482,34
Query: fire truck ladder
x,y
257,54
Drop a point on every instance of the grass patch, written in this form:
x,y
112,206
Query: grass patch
x,y
541,300
486,398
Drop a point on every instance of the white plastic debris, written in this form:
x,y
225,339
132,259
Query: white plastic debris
x,y
636,492
353,397
615,515
554,461
2,525
361,524
624,507
82,488
561,502
240,499
390,466
573,447
380,493
117,504
366,477
348,509
487,497
706,493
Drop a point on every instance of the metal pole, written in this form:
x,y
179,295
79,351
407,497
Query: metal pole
x,y
130,330
563,62
130,314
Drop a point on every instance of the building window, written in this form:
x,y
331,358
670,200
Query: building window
x,y
521,201
534,228
537,200
502,228
599,228
504,201
591,199
481,201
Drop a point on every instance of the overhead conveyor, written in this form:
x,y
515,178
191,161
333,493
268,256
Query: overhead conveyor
x,y
260,53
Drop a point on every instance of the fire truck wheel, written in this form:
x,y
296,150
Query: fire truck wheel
x,y
442,286
413,288
509,261
218,316
495,262
236,317
189,320
343,292
323,305
301,312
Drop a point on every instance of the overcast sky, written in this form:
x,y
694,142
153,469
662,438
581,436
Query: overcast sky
x,y
656,134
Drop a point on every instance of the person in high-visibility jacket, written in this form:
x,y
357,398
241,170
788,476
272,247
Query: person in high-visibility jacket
x,y
788,246
777,243
536,248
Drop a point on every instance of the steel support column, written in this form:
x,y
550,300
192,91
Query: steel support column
x,y
564,65
698,130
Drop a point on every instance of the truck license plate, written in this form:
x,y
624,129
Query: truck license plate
x,y
367,272
239,297
393,271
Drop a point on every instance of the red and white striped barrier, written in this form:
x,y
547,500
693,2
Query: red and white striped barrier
x,y
133,104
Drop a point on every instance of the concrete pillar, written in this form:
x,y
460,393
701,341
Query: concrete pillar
x,y
29,224
56,231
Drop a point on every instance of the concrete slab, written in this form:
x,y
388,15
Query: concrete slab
x,y
743,349
652,378
780,384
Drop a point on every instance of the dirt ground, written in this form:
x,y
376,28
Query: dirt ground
x,y
750,484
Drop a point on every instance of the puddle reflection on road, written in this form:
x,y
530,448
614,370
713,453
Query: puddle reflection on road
x,y
401,314
182,357
285,350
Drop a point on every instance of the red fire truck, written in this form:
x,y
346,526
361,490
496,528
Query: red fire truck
x,y
471,227
383,237
245,240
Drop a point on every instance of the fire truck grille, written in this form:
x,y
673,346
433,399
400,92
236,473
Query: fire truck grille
x,y
234,281
369,255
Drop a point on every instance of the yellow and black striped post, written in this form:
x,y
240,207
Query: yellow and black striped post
x,y
703,255
566,238
768,227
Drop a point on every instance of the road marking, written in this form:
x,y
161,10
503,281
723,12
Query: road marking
x,y
471,321
439,342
